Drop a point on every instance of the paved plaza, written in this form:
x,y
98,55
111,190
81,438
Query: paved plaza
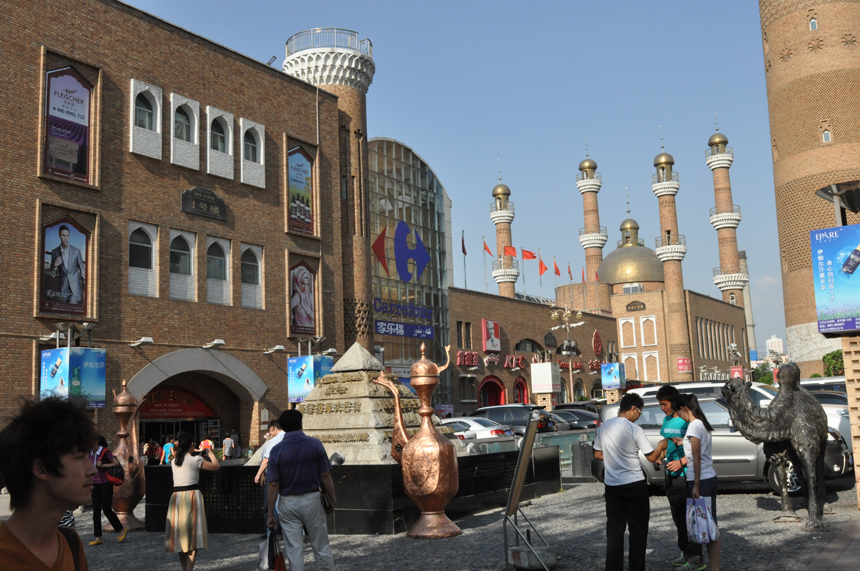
x,y
573,521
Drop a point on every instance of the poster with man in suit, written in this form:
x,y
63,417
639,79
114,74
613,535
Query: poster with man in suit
x,y
64,274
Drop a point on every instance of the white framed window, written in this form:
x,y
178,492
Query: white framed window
x,y
218,271
219,136
142,269
253,163
733,299
145,114
182,274
627,332
813,24
648,330
632,288
252,276
184,129
825,136
631,365
651,366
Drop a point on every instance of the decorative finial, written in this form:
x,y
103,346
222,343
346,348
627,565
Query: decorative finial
x,y
424,347
661,136
586,148
716,121
628,199
500,169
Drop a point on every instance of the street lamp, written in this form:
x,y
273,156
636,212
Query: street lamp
x,y
569,347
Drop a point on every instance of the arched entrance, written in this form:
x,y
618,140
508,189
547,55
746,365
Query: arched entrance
x,y
491,392
521,391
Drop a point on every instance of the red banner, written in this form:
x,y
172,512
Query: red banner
x,y
174,403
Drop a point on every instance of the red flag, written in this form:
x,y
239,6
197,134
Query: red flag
x,y
528,255
555,266
463,241
595,277
541,267
569,272
510,251
487,248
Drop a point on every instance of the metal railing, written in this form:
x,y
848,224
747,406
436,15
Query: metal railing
x,y
511,264
602,230
720,272
655,178
711,152
328,38
594,176
661,241
493,208
735,209
640,242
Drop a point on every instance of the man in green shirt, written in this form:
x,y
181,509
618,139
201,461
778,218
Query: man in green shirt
x,y
676,482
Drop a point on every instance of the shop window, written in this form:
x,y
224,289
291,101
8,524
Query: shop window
x,y
467,389
143,113
182,282
182,125
520,392
142,277
252,290
217,273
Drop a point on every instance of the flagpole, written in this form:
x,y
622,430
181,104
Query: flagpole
x,y
584,290
554,268
463,242
486,287
570,289
540,277
524,270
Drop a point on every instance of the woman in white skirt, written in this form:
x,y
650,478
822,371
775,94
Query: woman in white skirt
x,y
186,530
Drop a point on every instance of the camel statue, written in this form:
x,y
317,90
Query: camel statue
x,y
793,427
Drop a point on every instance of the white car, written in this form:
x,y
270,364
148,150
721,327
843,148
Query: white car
x,y
470,427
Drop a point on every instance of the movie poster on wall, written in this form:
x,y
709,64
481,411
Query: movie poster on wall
x,y
64,263
300,168
67,125
491,335
302,307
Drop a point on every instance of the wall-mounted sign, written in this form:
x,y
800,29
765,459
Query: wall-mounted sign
x,y
835,260
469,359
395,309
77,372
302,301
300,167
402,252
303,374
201,201
549,341
64,263
403,329
175,403
685,365
67,125
636,306
491,334
737,372
546,378
573,365
515,362
612,376
596,344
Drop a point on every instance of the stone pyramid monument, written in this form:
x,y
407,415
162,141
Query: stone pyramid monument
x,y
352,415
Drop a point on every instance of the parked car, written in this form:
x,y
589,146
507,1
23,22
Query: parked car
x,y
468,428
561,425
835,405
591,406
824,384
736,459
579,419
516,416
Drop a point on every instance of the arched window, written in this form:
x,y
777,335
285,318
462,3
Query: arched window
x,y
521,393
813,24
825,136
143,113
251,147
578,390
182,125
733,299
140,250
216,263
528,346
250,268
180,257
218,139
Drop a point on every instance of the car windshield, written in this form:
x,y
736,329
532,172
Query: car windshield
x,y
832,399
457,426
484,422
769,389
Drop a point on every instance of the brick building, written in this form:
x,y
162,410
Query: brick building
x,y
199,207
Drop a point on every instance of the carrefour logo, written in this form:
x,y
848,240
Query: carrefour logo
x,y
402,252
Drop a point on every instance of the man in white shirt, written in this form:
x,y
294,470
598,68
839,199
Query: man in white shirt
x,y
618,443
275,437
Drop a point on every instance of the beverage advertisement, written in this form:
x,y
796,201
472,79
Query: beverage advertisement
x,y
612,376
77,372
835,260
303,374
300,180
68,125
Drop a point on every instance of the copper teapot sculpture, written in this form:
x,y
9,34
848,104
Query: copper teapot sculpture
x,y
429,459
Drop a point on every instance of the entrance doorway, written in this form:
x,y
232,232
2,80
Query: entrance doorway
x,y
492,392
521,391
169,411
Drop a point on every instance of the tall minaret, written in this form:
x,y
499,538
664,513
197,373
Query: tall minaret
x,y
506,270
742,255
336,60
593,237
671,249
725,218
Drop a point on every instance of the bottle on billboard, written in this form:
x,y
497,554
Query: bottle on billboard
x,y
75,382
850,265
56,367
300,373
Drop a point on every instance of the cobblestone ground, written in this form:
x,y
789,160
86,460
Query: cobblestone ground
x,y
573,522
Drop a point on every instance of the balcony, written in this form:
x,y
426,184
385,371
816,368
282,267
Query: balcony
x,y
593,239
661,178
493,208
329,38
735,209
512,264
506,271
730,280
602,230
719,159
678,240
729,219
503,215
712,153
639,242
670,248
594,176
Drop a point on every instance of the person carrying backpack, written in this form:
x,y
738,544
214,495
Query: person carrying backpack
x,y
102,495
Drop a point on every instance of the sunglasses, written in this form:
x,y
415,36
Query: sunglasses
x,y
639,410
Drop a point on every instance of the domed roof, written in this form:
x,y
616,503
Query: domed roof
x,y
588,164
630,264
629,224
664,159
501,190
718,139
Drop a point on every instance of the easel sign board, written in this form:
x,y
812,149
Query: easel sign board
x,y
521,469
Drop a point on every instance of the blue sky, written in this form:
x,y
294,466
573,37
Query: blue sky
x,y
467,83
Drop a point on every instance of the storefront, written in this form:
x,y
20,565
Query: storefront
x,y
168,411
491,392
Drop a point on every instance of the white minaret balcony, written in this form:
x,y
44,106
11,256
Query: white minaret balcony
x,y
671,248
726,281
662,187
588,184
330,56
726,219
506,274
593,239
502,215
719,160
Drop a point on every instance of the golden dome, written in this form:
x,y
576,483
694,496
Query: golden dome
x,y
630,264
629,224
663,159
718,139
501,190
588,164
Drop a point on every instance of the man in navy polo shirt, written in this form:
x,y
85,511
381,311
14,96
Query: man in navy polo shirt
x,y
298,465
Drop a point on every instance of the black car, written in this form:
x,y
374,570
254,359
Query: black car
x,y
579,419
516,416
590,407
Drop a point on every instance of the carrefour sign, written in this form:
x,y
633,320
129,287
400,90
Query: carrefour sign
x,y
401,309
402,252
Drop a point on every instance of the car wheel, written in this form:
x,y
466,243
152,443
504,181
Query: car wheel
x,y
794,487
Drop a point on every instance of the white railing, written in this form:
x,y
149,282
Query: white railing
x,y
328,38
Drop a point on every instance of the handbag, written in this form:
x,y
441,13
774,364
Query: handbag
x,y
328,507
115,475
701,527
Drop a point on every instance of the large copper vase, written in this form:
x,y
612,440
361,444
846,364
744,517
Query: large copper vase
x,y
128,495
429,460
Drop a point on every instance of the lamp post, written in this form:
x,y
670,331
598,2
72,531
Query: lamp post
x,y
568,348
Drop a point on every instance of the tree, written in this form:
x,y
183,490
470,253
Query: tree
x,y
763,374
833,364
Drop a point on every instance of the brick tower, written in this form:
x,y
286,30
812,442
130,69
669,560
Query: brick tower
x,y
748,312
725,217
337,61
812,69
671,249
506,270
593,236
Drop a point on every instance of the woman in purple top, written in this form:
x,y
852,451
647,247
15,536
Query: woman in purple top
x,y
103,460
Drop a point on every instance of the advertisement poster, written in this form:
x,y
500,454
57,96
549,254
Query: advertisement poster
x,y
492,335
302,310
737,372
444,410
303,374
403,375
835,260
174,403
64,263
76,372
612,376
546,378
685,365
67,128
300,168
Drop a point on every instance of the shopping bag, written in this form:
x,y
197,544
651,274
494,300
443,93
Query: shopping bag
x,y
701,527
270,557
263,557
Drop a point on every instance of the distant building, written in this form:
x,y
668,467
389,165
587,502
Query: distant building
x,y
774,344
